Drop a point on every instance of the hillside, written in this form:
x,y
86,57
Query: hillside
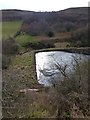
x,y
11,14
68,14
25,33
41,23
50,23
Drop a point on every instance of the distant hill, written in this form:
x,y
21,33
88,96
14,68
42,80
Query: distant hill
x,y
37,23
14,14
11,14
78,10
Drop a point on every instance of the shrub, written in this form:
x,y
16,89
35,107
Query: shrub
x,y
5,61
9,46
17,33
50,34
72,89
80,37
38,45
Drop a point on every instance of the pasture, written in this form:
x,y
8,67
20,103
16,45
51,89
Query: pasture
x,y
9,28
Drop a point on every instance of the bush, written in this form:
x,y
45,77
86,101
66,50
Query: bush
x,y
50,34
5,61
9,46
80,37
38,45
72,89
17,33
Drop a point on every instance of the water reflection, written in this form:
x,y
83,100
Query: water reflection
x,y
46,65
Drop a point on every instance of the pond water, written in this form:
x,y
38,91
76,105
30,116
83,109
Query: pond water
x,y
47,65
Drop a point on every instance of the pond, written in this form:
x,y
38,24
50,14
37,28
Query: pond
x,y
55,64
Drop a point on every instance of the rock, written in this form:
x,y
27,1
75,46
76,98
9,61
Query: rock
x,y
29,90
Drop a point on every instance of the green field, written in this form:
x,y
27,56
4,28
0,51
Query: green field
x,y
9,28
25,39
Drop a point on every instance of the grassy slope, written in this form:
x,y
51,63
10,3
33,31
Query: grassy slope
x,y
22,60
10,28
24,39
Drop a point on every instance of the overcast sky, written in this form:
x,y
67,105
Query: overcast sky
x,y
42,5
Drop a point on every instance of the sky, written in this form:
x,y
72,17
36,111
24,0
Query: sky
x,y
42,5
